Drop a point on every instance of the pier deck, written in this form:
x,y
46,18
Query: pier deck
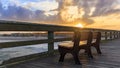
x,y
110,58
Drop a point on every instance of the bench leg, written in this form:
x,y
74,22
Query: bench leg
x,y
62,55
75,56
89,53
98,49
85,52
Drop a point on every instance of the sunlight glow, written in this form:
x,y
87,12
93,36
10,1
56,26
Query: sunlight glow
x,y
71,13
79,25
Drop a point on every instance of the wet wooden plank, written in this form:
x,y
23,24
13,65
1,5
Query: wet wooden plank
x,y
110,58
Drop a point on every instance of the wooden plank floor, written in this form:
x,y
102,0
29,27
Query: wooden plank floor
x,y
110,58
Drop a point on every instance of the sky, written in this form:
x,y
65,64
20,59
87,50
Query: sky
x,y
103,14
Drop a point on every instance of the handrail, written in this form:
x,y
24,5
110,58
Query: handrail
x,y
24,26
30,42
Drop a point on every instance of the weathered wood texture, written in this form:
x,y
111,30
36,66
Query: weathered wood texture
x,y
110,58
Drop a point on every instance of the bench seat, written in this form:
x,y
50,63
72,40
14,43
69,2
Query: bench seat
x,y
70,44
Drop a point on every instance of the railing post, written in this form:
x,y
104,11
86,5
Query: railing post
x,y
117,35
110,35
114,34
105,35
50,44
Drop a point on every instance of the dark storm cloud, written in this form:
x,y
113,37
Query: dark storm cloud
x,y
14,12
104,7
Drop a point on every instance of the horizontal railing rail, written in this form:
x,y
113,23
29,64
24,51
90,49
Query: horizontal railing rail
x,y
31,42
24,26
51,29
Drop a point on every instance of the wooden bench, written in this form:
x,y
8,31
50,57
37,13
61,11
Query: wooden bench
x,y
74,46
96,41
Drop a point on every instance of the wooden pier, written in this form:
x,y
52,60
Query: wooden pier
x,y
110,57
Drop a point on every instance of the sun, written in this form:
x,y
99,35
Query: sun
x,y
79,25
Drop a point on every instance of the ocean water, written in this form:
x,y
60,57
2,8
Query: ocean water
x,y
8,53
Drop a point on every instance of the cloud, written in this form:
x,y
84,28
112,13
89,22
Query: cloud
x,y
45,5
51,10
15,11
75,11
110,21
104,6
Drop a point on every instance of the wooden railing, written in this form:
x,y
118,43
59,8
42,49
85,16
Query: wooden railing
x,y
23,26
50,29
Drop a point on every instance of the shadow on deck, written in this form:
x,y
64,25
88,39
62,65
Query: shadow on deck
x,y
110,58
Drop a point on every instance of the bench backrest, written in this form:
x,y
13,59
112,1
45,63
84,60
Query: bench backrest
x,y
76,39
97,36
82,36
85,36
